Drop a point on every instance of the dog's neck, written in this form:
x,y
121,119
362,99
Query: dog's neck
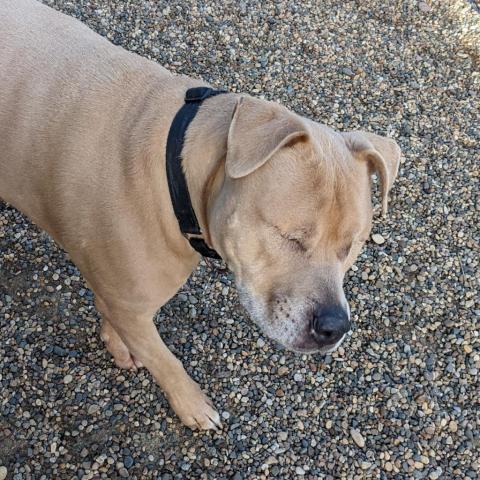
x,y
204,154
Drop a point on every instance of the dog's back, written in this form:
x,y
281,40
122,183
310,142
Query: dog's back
x,y
66,94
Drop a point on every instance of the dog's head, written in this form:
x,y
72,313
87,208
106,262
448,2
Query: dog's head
x,y
291,218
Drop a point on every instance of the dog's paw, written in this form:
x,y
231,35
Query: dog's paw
x,y
194,408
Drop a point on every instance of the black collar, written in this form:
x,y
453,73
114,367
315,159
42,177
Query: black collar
x,y
177,184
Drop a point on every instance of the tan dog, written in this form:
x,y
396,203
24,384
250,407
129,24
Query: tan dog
x,y
284,200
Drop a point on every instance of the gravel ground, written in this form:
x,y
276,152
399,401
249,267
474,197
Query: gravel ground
x,y
401,398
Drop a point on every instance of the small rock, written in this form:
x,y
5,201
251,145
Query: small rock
x,y
452,426
61,352
435,475
298,377
260,343
92,409
123,472
67,379
283,370
3,473
424,7
357,437
378,239
299,471
282,436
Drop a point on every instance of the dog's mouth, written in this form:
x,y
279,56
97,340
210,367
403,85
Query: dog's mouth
x,y
309,346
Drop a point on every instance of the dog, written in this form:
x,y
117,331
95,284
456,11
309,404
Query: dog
x,y
285,201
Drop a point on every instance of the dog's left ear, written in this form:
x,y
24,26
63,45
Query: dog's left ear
x,y
382,154
259,130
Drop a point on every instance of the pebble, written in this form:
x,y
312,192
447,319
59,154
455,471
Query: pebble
x,y
436,474
123,472
378,239
92,409
424,6
357,437
67,379
3,472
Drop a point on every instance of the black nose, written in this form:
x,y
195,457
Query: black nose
x,y
330,323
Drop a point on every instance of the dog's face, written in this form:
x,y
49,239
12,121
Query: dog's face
x,y
291,217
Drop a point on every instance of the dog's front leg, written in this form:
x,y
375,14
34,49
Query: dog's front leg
x,y
116,346
140,336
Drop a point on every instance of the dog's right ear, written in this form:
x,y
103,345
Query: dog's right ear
x,y
259,129
382,154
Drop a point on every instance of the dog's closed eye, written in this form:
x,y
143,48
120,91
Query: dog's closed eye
x,y
294,240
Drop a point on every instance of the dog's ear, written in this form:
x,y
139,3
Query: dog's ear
x,y
383,157
258,130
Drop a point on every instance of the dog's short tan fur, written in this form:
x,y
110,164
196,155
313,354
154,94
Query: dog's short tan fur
x,y
284,200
